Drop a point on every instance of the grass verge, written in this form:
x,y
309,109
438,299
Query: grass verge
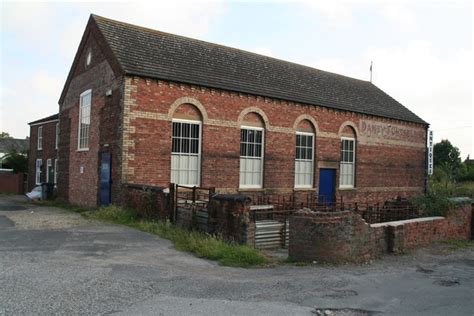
x,y
459,244
200,244
63,205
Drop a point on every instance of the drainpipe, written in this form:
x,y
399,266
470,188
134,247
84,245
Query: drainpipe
x,y
426,159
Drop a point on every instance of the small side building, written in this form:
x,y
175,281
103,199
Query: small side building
x,y
43,152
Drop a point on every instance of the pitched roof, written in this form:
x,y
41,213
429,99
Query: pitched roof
x,y
150,53
53,117
9,144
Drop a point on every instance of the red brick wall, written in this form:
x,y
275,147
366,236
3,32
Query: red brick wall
x,y
384,169
49,151
106,117
335,237
11,182
345,236
411,234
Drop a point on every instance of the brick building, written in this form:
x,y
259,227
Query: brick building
x,y
145,107
43,151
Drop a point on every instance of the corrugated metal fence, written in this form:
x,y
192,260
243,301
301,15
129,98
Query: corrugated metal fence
x,y
271,227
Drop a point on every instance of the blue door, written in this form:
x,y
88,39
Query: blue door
x,y
327,186
105,178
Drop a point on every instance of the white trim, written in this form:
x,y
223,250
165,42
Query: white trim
x,y
56,144
85,92
187,121
350,186
56,170
262,157
38,170
348,138
305,133
49,164
88,58
41,123
196,122
306,186
39,145
89,91
252,127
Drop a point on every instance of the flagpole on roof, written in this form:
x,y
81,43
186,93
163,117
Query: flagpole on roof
x,y
371,63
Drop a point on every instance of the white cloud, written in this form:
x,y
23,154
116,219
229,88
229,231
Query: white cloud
x,y
400,15
264,51
436,88
338,13
46,31
27,100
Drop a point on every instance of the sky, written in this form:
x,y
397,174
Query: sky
x,y
421,50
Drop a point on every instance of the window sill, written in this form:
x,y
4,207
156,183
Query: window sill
x,y
250,189
82,149
347,189
304,189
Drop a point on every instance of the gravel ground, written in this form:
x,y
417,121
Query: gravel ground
x,y
55,262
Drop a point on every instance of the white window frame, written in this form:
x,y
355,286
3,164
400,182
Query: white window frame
x,y
57,136
311,185
262,159
183,154
40,138
38,166
348,186
55,171
49,164
85,148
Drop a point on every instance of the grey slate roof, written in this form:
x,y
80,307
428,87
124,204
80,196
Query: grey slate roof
x,y
150,53
9,144
53,117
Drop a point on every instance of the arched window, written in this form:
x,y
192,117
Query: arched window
x,y
348,156
304,158
186,146
252,135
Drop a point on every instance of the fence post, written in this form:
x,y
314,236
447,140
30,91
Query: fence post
x,y
172,203
194,195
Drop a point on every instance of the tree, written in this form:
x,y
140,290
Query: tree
x,y
444,153
447,162
16,161
4,135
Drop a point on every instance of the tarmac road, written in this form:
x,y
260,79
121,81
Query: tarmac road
x,y
55,262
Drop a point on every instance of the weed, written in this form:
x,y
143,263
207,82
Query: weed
x,y
201,244
459,244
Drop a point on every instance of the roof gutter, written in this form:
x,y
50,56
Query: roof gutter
x,y
44,122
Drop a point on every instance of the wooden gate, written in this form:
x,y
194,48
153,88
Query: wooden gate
x,y
189,205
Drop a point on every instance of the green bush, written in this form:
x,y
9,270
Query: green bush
x,y
114,214
464,189
432,204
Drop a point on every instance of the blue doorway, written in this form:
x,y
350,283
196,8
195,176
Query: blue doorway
x,y
327,186
105,178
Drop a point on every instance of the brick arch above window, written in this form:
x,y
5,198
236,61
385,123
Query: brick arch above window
x,y
188,100
310,119
253,110
343,129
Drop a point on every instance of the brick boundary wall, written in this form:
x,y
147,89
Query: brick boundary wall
x,y
229,218
403,236
333,237
149,202
337,237
12,183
